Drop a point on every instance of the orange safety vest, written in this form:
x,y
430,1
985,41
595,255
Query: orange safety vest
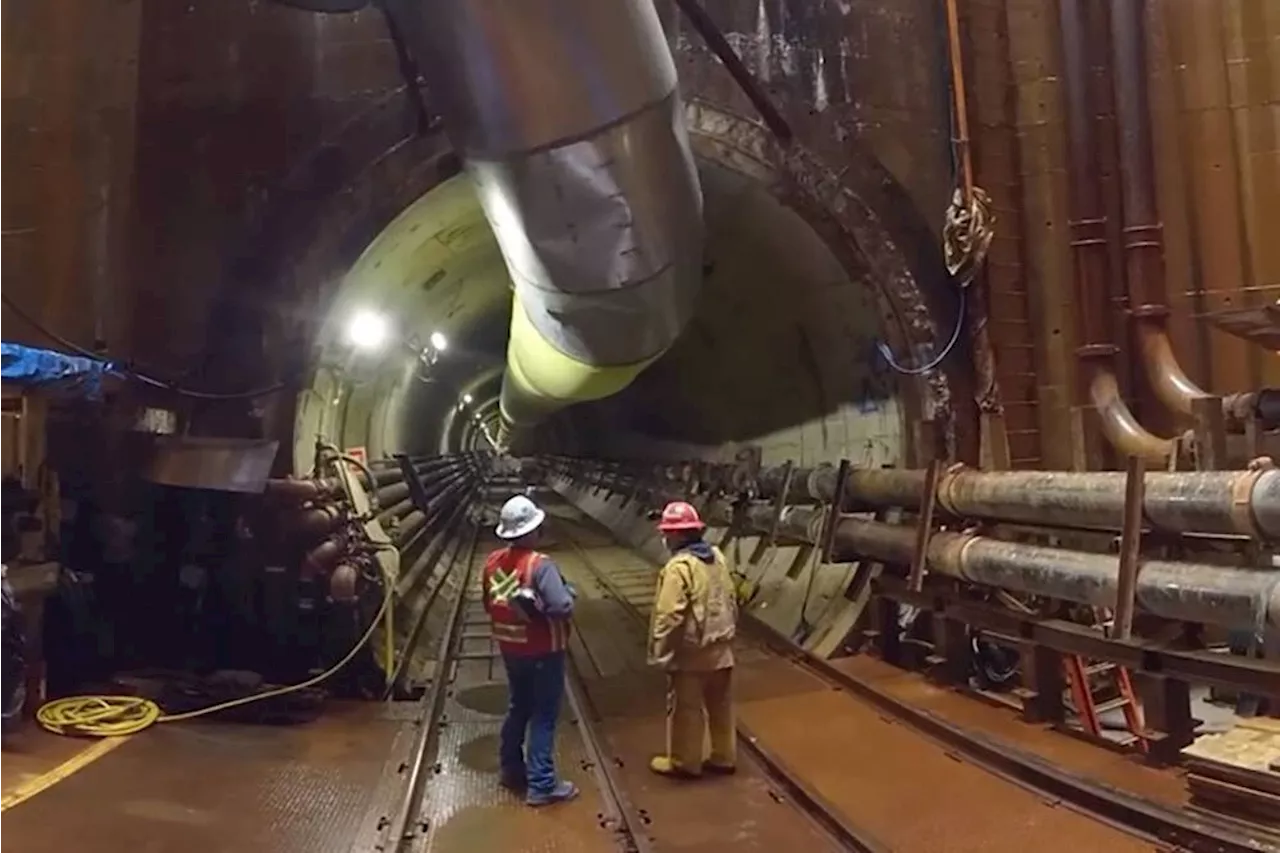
x,y
506,571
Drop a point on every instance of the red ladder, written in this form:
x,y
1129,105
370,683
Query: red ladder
x,y
1089,709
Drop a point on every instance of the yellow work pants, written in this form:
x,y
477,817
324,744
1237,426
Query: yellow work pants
x,y
700,709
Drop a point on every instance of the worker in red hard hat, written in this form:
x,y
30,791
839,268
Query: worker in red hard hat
x,y
695,617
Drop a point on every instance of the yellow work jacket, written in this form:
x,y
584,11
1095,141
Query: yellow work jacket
x,y
695,615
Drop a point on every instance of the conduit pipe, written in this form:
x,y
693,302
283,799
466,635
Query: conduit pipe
x,y
1232,598
1218,503
1097,384
568,120
1143,230
1143,245
1241,503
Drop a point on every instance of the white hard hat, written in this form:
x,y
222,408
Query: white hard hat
x,y
519,517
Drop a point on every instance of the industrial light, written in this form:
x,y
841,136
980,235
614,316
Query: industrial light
x,y
368,330
439,342
466,398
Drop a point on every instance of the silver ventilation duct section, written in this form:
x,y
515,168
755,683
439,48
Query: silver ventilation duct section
x,y
567,117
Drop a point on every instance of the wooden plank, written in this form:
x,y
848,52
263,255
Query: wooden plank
x,y
924,528
1130,546
1235,799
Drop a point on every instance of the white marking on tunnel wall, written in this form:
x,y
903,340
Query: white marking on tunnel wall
x,y
820,100
762,41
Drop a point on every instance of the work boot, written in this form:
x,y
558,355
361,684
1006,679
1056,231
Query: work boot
x,y
514,780
664,765
719,768
561,793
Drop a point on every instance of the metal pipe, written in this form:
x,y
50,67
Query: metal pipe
x,y
1096,384
430,489
1119,424
961,108
1233,598
1223,503
409,579
568,119
412,523
1144,250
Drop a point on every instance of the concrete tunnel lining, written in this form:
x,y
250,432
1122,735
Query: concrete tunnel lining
x,y
815,390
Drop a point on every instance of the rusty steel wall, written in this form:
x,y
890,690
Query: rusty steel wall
x,y
1214,76
69,84
234,99
844,73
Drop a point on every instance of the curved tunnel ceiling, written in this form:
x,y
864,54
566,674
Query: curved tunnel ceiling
x,y
780,352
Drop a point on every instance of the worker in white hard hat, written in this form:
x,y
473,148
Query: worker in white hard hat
x,y
530,606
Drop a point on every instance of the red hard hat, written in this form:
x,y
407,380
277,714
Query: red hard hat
x,y
679,515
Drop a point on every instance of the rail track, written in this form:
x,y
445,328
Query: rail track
x,y
1011,774
408,827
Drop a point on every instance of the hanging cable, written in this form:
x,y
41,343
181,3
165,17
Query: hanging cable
x,y
132,372
887,354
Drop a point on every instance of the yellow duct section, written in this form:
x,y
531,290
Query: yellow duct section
x,y
541,379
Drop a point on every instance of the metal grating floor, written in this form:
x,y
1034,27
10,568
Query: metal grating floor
x,y
209,788
465,809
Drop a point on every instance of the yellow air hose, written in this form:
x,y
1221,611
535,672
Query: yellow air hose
x,y
115,716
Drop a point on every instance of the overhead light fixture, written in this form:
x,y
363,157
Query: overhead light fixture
x,y
368,330
439,342
466,398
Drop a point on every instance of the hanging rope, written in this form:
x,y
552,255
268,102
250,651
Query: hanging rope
x,y
967,234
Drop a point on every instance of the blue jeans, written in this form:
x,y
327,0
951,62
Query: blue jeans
x,y
535,686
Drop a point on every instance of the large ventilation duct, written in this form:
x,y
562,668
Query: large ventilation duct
x,y
567,117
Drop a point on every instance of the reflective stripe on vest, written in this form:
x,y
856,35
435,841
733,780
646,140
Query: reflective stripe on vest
x,y
532,636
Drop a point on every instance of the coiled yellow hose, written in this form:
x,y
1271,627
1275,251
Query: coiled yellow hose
x,y
114,716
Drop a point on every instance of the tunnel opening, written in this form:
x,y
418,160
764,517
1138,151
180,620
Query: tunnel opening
x,y
802,277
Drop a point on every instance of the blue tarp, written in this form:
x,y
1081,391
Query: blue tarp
x,y
31,366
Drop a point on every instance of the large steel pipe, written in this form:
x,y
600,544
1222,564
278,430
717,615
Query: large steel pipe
x,y
1097,386
430,490
1144,252
415,521
567,118
410,578
1232,598
1245,503
1220,503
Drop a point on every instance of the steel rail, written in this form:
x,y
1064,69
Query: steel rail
x,y
403,830
1101,802
621,816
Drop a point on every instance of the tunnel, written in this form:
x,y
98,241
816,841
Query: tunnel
x,y
951,324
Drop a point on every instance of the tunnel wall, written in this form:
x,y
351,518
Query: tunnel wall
x,y
802,278
1212,74
246,116
70,89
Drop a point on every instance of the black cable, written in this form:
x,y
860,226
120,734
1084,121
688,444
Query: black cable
x,y
133,372
408,68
